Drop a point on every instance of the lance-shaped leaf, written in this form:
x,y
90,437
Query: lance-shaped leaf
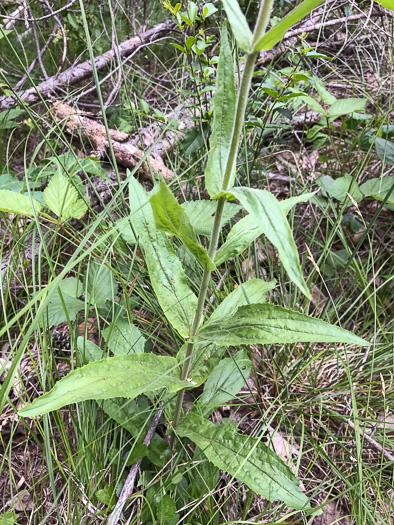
x,y
245,458
288,204
268,214
238,23
172,218
225,382
239,238
224,103
121,376
247,230
13,202
166,273
267,323
276,34
251,292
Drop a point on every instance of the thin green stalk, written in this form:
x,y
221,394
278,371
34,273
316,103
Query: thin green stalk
x,y
247,74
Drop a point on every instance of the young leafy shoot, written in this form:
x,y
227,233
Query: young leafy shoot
x,y
224,104
122,376
269,324
170,217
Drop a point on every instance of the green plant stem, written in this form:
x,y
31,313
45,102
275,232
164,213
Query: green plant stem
x,y
242,101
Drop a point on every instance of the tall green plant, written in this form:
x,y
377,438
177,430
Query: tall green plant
x,y
242,318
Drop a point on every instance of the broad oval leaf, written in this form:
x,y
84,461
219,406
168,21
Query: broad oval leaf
x,y
267,323
172,218
340,187
62,198
56,313
13,202
238,23
166,273
385,150
269,215
379,188
225,381
289,203
124,338
224,104
276,34
9,182
346,106
100,283
246,458
251,292
121,376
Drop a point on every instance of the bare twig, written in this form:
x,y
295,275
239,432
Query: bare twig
x,y
26,19
372,442
128,487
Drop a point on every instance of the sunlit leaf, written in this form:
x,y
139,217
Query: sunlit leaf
x,y
245,458
379,188
346,106
62,198
100,283
267,324
13,202
122,376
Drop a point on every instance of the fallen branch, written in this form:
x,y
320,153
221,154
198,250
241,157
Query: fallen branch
x,y
94,133
80,72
